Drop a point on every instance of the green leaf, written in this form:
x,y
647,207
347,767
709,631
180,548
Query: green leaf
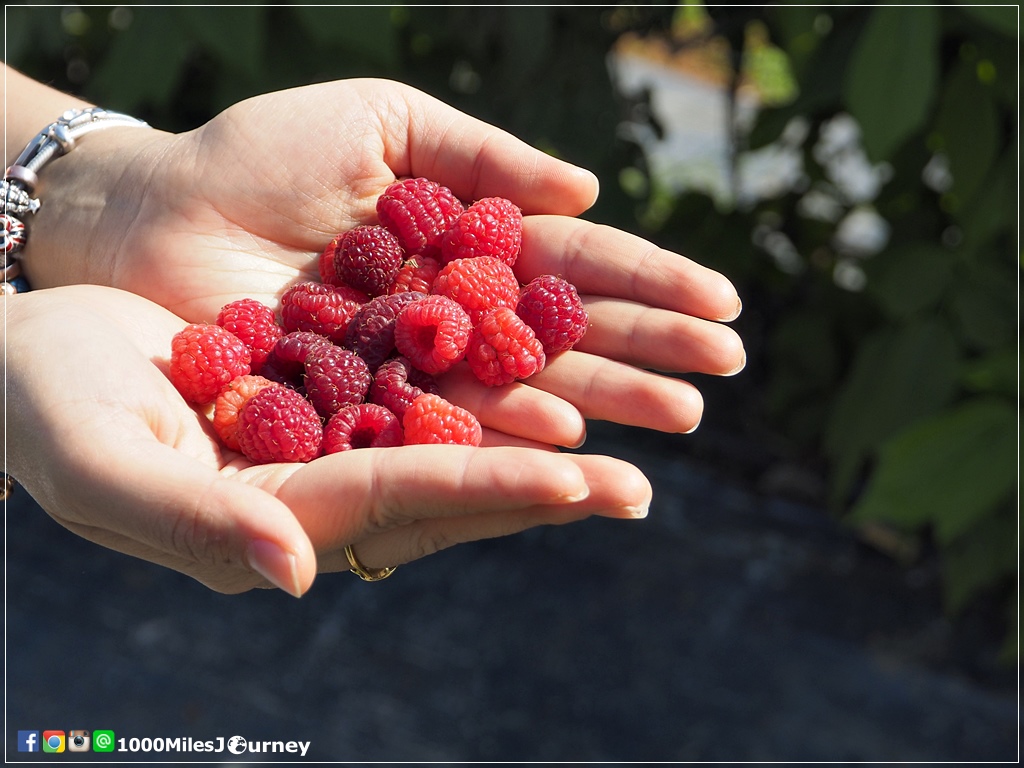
x,y
892,76
950,471
984,301
1001,18
910,279
234,33
980,559
996,373
363,32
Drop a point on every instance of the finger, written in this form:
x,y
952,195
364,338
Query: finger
x,y
612,391
494,439
654,338
601,260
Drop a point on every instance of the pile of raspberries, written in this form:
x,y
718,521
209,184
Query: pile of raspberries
x,y
351,360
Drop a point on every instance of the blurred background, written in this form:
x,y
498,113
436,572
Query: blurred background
x,y
830,567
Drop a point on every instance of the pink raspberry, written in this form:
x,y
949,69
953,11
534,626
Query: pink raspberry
x,y
397,383
478,284
492,226
362,426
502,348
279,424
286,363
335,377
433,333
553,309
371,334
368,258
321,308
432,419
230,402
204,360
255,324
418,212
416,274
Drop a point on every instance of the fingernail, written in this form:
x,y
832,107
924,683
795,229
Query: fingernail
x,y
640,511
274,564
740,367
582,440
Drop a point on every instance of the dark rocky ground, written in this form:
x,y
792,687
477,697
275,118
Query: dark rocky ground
x,y
728,626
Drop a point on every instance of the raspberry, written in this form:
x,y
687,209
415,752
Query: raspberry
x,y
286,363
433,332
397,383
321,308
325,264
478,284
368,258
432,419
335,377
492,226
279,424
371,334
255,324
230,402
418,212
362,426
551,306
204,360
416,274
502,348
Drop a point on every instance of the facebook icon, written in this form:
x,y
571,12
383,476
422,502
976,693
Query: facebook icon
x,y
28,741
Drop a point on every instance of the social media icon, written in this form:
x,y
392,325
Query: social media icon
x,y
78,741
28,741
53,741
103,741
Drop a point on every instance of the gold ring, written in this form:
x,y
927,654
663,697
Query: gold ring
x,y
362,571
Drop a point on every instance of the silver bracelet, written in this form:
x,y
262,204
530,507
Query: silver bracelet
x,y
20,179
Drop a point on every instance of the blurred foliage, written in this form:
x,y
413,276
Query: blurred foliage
x,y
890,374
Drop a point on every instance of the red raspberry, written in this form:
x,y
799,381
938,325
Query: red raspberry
x,y
503,348
204,360
416,274
328,272
362,426
371,334
433,332
492,226
551,306
418,212
255,324
286,363
230,402
335,377
432,419
478,284
368,258
279,424
397,383
321,308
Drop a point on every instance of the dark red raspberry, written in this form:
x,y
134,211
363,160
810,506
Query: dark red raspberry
x,y
502,348
551,306
323,309
432,419
416,274
492,226
255,324
335,377
478,285
279,424
418,212
204,360
368,258
397,383
286,363
326,267
433,332
371,334
230,402
362,426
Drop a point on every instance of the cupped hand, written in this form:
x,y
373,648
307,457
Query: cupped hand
x,y
106,445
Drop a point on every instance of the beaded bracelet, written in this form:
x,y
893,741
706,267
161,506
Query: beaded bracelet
x,y
20,180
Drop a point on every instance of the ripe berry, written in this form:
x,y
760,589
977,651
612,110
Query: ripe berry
x,y
279,424
418,212
397,383
416,274
362,426
368,258
255,324
432,419
502,348
321,308
433,332
478,284
325,264
492,226
371,333
286,363
335,377
230,402
552,308
204,359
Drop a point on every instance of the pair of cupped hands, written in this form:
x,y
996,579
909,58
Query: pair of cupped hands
x,y
141,231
